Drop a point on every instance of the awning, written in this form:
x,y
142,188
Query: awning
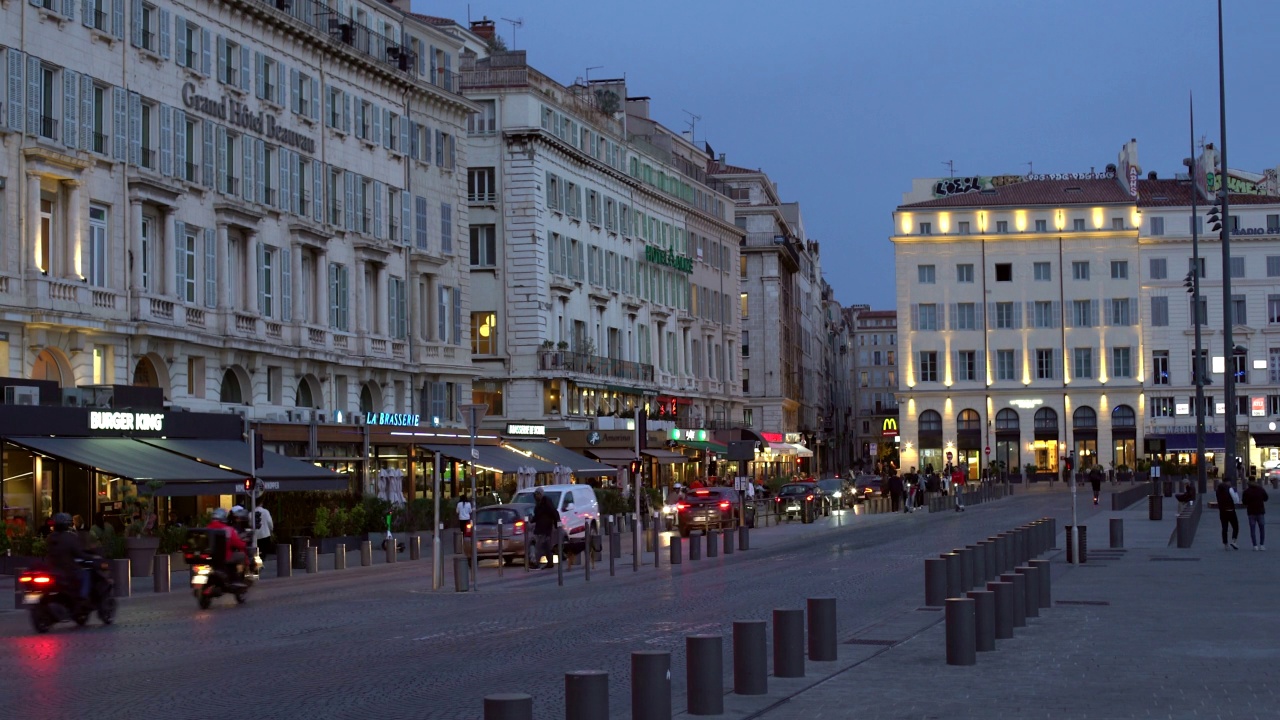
x,y
705,445
665,457
1186,442
492,457
126,458
553,453
1266,439
617,457
278,472
799,450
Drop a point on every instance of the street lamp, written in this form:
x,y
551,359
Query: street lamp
x,y
1229,380
1193,287
474,413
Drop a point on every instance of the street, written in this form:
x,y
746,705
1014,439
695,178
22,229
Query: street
x,y
376,642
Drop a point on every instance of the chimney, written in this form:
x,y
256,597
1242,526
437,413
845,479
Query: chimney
x,y
484,29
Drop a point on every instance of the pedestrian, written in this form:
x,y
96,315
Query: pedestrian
x,y
1187,496
263,528
1227,514
895,491
911,480
464,510
1095,479
545,522
1255,506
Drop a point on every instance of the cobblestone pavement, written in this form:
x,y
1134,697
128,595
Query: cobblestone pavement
x,y
377,642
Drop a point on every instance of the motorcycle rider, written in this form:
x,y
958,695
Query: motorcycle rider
x,y
64,549
237,551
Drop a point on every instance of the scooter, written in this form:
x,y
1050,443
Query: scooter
x,y
210,579
49,604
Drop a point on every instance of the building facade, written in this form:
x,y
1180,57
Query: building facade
x,y
875,385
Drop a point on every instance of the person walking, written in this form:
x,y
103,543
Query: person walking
x,y
263,528
1227,514
895,491
1095,479
958,480
464,510
1255,506
910,481
545,522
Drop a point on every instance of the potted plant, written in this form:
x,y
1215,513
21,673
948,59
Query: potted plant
x,y
141,538
20,547
562,345
547,344
1123,472
1029,471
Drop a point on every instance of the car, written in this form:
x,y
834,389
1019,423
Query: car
x,y
798,500
576,504
712,508
517,523
834,492
865,486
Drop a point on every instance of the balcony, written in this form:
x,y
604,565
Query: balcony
x,y
785,245
48,127
148,158
482,198
576,362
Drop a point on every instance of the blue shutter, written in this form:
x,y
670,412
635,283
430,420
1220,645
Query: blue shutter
x,y
439,148
457,316
210,268
15,90
376,121
377,210
284,188
315,100
387,130
260,268
86,112
33,95
406,217
404,135
120,124
180,39
346,112
333,295
281,76
70,108
206,52
135,129
247,184
295,91
86,13
179,144
420,221
221,70
166,140
260,72
434,79
442,314
317,190
207,158
446,228
260,169
136,36
294,182
245,62
453,160
117,19
164,33
286,283
349,200
412,147
179,260
221,185
393,317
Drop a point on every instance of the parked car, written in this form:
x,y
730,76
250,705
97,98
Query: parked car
x,y
517,522
577,505
712,508
865,486
799,500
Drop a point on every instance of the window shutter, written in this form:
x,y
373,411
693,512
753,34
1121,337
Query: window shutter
x,y
222,158
260,70
284,188
117,19
222,59
180,39
295,91
412,147
206,52
33,95
387,130
164,33
404,135
286,283
86,112
439,148
333,295
432,55
179,260
247,184
915,316
426,144
281,88
951,317
86,13
261,267
135,128
206,159
346,112
245,60
210,268
442,307
377,210
70,108
15,90
317,190
446,228
1133,311
166,140
315,100
457,316
136,36
260,169
448,73
1093,313
295,182
349,195
119,123
420,221
452,155
406,217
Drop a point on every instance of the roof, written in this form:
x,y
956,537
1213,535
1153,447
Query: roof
x,y
434,20
1177,193
1035,192
718,168
878,314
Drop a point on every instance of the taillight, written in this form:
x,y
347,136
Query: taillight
x,y
41,579
724,505
466,529
810,497
519,528
681,506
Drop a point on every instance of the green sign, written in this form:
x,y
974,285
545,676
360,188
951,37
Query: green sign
x,y
658,256
678,435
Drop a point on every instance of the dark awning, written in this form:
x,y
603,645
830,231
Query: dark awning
x,y
705,445
493,457
665,456
132,460
554,453
618,457
277,473
1186,442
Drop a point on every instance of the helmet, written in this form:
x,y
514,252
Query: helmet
x,y
239,512
61,521
537,492
220,514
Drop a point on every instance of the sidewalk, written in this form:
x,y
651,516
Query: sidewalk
x,y
1147,631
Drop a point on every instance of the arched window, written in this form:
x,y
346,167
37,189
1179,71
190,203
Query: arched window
x,y
1084,417
1007,419
231,392
930,421
1123,417
968,420
1046,419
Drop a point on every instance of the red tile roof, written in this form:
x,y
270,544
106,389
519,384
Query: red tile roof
x,y
434,20
1177,193
715,168
1035,192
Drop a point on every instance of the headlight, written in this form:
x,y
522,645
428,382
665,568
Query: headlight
x,y
837,494
668,509
201,569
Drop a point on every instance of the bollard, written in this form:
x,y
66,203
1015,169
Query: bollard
x,y
657,544
366,553
1033,589
586,695
1117,532
461,573
676,549
713,544
999,544
313,559
389,545
415,547
650,685
340,556
120,573
508,706
615,551
727,536
704,674
1004,608
1019,583
744,538
955,574
1053,532
984,611
935,582
822,629
961,637
161,578
284,560
966,570
989,560
750,658
1155,507
695,546
1019,546
1045,595
559,557
979,556
788,643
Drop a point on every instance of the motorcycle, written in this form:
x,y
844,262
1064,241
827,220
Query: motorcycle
x,y
212,579
50,604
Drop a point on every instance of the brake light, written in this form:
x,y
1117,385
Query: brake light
x,y
680,506
42,579
777,499
701,492
466,529
810,497
519,528
724,505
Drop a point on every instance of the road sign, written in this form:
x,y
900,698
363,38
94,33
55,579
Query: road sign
x,y
475,454
473,414
988,450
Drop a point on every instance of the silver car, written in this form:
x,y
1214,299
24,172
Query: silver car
x,y
517,523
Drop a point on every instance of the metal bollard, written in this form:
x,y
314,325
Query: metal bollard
x,y
984,610
676,549
615,552
122,574
822,629
1004,608
989,560
340,556
366,553
657,544
978,558
1019,597
508,706
966,570
461,573
1033,589
389,545
586,695
415,547
935,582
788,643
284,560
650,685
695,546
313,559
727,537
997,544
750,658
1045,595
559,558
704,674
713,543
955,574
961,632
161,578
1117,532
744,538
1019,546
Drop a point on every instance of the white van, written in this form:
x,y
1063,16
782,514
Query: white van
x,y
576,504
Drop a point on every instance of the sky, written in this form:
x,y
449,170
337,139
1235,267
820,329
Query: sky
x,y
844,102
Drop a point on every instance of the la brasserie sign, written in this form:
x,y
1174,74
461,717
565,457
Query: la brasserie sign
x,y
126,421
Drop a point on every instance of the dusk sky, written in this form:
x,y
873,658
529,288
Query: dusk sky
x,y
843,103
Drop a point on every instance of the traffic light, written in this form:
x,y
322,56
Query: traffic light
x,y
248,485
642,428
1215,215
635,468
1189,282
672,411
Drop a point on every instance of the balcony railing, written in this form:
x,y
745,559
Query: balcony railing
x,y
48,127
100,143
482,197
99,20
148,158
191,172
569,361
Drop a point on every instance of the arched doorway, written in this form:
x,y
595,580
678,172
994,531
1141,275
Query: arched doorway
x,y
1124,436
1009,440
969,441
929,438
308,394
1084,428
49,365
234,390
370,398
1045,446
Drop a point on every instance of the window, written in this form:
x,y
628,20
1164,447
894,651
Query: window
x,y
186,260
930,421
1160,367
1237,267
1077,225
48,95
1240,365
1239,312
1120,315
925,274
1273,266
1005,367
268,76
1121,362
228,62
480,185
963,227
485,121
397,308
1273,224
190,169
95,270
364,123
1159,269
1002,226
965,317
484,333
1157,226
928,317
864,379
1273,365
1082,363
1080,270
188,39
1273,309
964,273
1191,266
926,228
1081,313
1004,272
1159,311
1042,314
1196,224
1119,269
1117,223
339,289
483,246
446,228
1200,315
1005,316
1044,364
1042,271
147,25
1042,226
101,111
928,366
1161,407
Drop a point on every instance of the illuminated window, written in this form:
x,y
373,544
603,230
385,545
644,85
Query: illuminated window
x,y
484,333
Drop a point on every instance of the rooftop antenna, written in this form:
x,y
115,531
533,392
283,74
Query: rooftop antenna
x,y
517,23
693,124
1031,168
588,73
951,165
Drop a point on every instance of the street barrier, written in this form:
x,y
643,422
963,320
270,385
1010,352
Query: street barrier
x,y
822,629
1032,575
704,674
1186,524
313,559
120,572
161,577
955,574
989,561
284,561
750,658
390,546
366,553
340,556
727,537
935,582
788,643
461,574
695,546
1083,531
1117,532
977,557
676,549
508,706
1019,583
586,695
713,545
966,570
998,547
1123,499
1004,608
744,538
1155,507
650,685
984,611
1045,591
961,632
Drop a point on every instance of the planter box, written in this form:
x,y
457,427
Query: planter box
x,y
329,545
140,550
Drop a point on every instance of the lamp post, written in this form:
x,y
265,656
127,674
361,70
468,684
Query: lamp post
x,y
1228,345
475,414
1194,288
